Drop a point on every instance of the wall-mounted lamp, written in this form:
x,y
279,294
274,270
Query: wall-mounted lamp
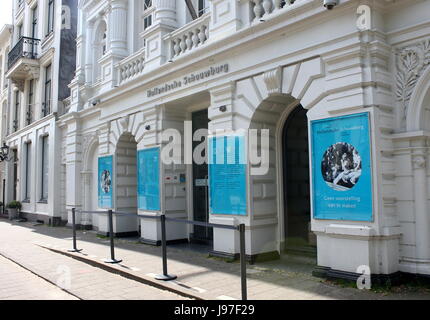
x,y
223,108
4,153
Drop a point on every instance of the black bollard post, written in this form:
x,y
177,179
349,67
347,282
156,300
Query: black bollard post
x,y
165,276
112,249
243,261
75,249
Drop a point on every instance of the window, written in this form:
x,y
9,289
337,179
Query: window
x,y
104,43
44,169
29,113
46,108
147,16
27,182
147,4
147,21
16,112
50,23
203,7
34,23
19,34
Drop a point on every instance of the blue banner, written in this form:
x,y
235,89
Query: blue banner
x,y
105,182
227,175
148,179
341,168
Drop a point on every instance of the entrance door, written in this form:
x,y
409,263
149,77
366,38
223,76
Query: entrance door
x,y
200,185
298,236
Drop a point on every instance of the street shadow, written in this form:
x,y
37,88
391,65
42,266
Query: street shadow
x,y
286,272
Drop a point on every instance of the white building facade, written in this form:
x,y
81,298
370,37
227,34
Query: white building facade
x,y
343,93
42,40
5,37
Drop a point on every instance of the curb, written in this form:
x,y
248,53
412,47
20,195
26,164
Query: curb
x,y
163,285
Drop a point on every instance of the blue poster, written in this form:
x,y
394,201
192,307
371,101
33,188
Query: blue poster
x,y
341,168
227,175
105,182
148,179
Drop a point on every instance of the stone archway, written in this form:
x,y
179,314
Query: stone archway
x,y
264,101
418,113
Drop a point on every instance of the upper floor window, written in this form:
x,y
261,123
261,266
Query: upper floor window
x,y
19,32
50,17
34,22
29,113
16,111
104,43
147,14
203,7
46,108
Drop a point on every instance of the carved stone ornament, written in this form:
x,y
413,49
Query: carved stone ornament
x,y
19,84
419,161
273,79
411,61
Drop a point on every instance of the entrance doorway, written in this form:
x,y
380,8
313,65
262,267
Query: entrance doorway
x,y
297,209
200,186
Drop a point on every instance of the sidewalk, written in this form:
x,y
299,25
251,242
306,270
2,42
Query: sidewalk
x,y
198,276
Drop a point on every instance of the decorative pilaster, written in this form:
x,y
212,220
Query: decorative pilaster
x,y
422,217
86,177
88,54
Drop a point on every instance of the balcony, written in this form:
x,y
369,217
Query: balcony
x,y
23,63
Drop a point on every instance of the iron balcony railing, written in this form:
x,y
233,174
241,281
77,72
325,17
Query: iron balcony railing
x,y
25,48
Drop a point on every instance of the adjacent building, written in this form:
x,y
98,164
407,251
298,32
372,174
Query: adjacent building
x,y
5,37
337,101
42,41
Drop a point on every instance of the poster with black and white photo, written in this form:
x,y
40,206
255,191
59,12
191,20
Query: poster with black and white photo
x,y
341,168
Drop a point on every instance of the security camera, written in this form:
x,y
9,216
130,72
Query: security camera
x,y
330,4
95,102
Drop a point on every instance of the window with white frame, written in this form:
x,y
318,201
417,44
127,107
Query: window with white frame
x,y
16,111
30,106
147,13
50,17
104,43
34,13
44,168
46,105
27,182
203,7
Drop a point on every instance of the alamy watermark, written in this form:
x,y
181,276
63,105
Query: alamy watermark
x,y
64,279
232,147
364,281
364,20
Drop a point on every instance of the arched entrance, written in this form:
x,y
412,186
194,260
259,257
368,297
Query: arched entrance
x,y
295,160
126,184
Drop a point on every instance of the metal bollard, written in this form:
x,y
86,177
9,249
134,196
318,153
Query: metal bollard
x,y
243,261
165,276
112,249
75,249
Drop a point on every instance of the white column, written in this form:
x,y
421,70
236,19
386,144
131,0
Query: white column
x,y
165,11
118,27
